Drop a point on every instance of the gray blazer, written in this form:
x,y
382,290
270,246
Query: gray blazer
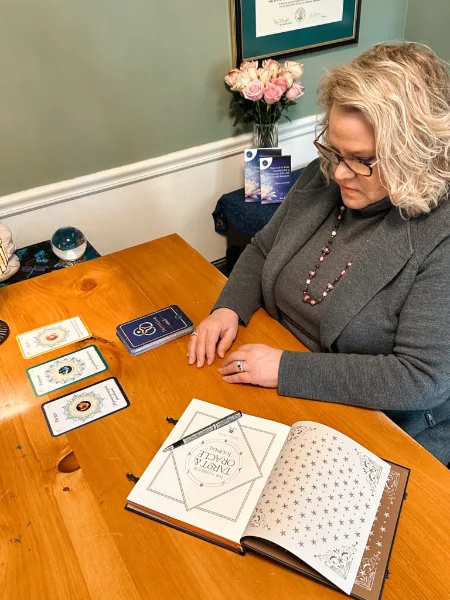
x,y
386,333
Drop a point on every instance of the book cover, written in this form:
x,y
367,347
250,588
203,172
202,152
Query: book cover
x,y
252,176
275,178
311,497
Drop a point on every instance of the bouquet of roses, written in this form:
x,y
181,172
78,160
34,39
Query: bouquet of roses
x,y
260,95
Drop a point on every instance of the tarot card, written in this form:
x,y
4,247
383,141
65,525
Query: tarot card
x,y
68,369
45,339
84,406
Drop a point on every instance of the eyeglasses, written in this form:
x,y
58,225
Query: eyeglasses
x,y
357,165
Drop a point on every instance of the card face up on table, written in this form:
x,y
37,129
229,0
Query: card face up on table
x,y
154,329
84,406
48,338
66,370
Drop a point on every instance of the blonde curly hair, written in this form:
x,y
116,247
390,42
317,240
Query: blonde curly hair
x,y
403,90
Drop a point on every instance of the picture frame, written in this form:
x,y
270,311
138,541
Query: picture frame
x,y
285,28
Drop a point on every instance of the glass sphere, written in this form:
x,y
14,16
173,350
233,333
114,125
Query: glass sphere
x,y
68,243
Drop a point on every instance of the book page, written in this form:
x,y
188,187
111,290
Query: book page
x,y
214,482
321,500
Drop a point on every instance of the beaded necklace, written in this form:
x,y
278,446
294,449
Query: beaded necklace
x,y
325,251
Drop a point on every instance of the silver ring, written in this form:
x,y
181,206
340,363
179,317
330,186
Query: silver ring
x,y
240,365
194,332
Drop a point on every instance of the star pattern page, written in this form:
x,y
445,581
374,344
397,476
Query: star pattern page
x,y
321,500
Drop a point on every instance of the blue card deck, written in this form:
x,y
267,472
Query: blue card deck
x,y
154,329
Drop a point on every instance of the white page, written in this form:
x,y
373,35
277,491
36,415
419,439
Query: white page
x,y
321,500
215,481
280,16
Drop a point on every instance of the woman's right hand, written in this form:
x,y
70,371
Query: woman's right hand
x,y
216,333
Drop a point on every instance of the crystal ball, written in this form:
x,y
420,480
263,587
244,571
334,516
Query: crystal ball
x,y
68,243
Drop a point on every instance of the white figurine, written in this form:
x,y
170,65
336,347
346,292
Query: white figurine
x,y
9,262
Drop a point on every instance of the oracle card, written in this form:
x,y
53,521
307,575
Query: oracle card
x,y
68,369
84,406
45,339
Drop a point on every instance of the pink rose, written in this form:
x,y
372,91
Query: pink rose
x,y
281,82
254,90
232,77
295,91
273,93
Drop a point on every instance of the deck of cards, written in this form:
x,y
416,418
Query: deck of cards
x,y
154,329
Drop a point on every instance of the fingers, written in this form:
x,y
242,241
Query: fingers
x,y
192,349
225,343
200,349
211,344
203,345
233,358
231,368
238,378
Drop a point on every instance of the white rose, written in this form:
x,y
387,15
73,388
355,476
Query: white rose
x,y
273,66
250,68
264,76
295,68
288,76
242,82
231,77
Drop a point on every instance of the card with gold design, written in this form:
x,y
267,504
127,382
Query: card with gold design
x,y
84,406
66,370
48,338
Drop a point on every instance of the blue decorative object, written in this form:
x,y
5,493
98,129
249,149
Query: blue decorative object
x,y
69,244
38,259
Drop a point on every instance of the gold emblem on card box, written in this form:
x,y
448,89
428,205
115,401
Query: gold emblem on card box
x,y
145,328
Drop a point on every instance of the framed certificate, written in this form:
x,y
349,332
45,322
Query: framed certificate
x,y
280,28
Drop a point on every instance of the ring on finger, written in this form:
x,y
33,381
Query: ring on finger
x,y
195,332
240,365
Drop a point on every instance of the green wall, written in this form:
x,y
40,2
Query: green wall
x,y
89,85
428,22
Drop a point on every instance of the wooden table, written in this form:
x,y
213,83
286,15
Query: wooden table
x,y
64,532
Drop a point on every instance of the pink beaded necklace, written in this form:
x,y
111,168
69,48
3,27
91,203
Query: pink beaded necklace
x,y
325,251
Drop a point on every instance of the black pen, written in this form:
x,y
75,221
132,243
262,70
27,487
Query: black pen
x,y
193,436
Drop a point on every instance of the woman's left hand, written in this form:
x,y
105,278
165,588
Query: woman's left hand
x,y
259,365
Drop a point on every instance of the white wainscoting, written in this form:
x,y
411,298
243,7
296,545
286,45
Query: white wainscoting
x,y
176,193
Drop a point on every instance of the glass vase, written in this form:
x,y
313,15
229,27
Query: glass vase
x,y
265,136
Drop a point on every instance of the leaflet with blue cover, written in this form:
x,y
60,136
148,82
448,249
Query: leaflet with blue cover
x,y
155,328
275,178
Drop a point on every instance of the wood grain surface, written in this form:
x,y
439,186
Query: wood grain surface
x,y
64,532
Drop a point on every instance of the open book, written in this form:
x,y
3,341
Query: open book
x,y
307,495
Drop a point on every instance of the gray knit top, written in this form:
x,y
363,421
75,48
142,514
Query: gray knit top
x,y
355,230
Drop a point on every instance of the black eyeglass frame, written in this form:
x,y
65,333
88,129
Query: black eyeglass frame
x,y
340,158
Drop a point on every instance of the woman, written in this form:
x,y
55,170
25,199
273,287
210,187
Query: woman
x,y
356,261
